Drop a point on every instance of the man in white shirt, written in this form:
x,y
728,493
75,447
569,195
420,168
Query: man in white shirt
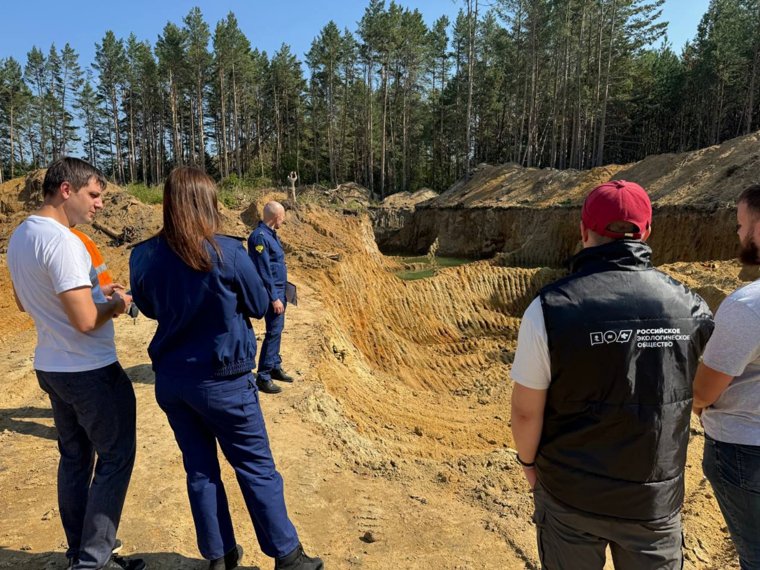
x,y
727,397
75,361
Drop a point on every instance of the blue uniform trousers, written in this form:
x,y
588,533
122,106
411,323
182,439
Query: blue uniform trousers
x,y
269,359
94,412
202,412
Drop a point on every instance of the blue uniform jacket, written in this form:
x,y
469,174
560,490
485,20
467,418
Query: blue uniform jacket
x,y
203,326
265,249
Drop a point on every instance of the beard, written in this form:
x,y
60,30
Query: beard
x,y
749,253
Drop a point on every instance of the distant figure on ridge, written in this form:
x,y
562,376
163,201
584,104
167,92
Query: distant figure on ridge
x,y
265,249
727,397
602,395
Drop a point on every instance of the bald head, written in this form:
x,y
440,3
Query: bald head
x,y
274,214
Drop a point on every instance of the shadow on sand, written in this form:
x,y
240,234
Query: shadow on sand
x,y
22,560
141,374
19,420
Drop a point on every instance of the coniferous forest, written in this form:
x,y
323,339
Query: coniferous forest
x,y
394,104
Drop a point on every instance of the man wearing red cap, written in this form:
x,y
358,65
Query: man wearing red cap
x,y
602,395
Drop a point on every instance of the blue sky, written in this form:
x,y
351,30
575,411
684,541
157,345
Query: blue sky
x,y
267,23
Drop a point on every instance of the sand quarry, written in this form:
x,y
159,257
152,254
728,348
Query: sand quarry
x,y
394,441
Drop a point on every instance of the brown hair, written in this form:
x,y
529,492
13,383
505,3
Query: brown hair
x,y
76,172
191,216
751,197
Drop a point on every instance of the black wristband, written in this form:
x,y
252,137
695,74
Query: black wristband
x,y
524,463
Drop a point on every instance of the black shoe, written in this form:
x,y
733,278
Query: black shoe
x,y
119,563
267,386
281,375
229,561
298,560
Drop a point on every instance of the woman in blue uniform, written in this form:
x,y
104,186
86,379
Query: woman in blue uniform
x,y
202,288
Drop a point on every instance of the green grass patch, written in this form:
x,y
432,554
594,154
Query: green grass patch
x,y
414,275
424,269
439,261
236,192
146,194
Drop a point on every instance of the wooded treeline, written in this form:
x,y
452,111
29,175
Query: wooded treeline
x,y
395,104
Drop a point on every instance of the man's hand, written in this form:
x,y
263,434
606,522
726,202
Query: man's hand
x,y
278,307
109,289
122,302
530,476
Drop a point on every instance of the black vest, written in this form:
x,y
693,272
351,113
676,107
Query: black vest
x,y
624,343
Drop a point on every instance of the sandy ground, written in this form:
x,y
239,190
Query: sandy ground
x,y
414,525
393,442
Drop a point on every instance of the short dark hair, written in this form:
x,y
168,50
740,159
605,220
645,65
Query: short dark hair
x,y
76,172
751,197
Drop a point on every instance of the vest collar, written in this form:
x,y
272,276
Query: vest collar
x,y
621,255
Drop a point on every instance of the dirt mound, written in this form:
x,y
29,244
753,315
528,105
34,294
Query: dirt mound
x,y
408,199
530,215
708,177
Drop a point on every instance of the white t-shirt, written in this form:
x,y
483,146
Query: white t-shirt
x,y
45,259
734,349
531,367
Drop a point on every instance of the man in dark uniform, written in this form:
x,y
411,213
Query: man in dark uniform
x,y
600,407
265,249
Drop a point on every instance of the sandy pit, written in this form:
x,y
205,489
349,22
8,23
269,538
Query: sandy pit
x,y
394,441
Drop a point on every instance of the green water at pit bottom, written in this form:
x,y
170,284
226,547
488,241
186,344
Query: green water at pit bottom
x,y
429,269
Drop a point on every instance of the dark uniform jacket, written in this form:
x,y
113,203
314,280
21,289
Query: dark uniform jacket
x,y
203,327
267,253
624,343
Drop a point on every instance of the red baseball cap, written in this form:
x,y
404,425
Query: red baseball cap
x,y
617,201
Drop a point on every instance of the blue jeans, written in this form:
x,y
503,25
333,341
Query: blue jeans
x,y
94,413
201,412
734,473
269,359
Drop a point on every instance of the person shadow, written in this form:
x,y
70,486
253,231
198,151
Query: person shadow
x,y
20,420
26,560
141,374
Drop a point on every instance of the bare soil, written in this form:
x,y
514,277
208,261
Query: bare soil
x,y
394,441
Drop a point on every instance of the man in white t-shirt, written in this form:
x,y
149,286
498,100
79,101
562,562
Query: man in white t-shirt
x,y
727,397
75,361
602,395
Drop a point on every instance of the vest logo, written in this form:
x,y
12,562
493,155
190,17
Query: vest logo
x,y
608,337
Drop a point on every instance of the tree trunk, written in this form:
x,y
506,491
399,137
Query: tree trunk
x,y
13,166
752,88
201,139
472,23
177,149
236,123
224,159
115,110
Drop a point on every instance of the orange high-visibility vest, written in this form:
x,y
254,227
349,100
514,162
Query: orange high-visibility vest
x,y
104,276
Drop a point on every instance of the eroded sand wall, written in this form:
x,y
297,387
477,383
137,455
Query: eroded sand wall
x,y
532,237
